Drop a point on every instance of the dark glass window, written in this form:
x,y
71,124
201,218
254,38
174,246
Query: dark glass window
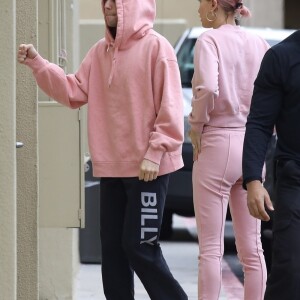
x,y
185,57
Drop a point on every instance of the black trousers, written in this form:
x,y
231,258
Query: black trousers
x,y
284,280
131,214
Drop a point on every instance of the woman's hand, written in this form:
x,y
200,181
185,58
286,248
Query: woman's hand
x,y
196,143
26,51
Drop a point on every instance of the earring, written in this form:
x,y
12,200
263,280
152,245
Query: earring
x,y
212,17
238,16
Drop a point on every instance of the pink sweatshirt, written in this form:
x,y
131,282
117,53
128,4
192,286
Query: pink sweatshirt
x,y
132,87
226,61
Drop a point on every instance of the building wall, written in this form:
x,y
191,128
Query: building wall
x,y
267,13
187,11
165,9
27,159
58,249
8,230
19,168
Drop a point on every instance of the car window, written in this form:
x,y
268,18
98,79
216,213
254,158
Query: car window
x,y
272,42
185,57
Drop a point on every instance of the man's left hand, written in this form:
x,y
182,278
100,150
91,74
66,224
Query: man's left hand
x,y
148,170
257,198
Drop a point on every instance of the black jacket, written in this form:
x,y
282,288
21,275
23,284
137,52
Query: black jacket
x,y
275,102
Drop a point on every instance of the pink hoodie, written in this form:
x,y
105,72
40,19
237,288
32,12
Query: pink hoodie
x,y
133,91
226,61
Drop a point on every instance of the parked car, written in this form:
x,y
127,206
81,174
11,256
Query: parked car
x,y
180,196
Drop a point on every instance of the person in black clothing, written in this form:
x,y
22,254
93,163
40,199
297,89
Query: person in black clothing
x,y
276,103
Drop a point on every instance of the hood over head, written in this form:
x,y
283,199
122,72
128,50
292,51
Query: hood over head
x,y
135,18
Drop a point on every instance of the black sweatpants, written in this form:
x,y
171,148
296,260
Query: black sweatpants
x,y
284,280
130,219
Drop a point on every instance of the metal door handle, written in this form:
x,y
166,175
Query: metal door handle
x,y
19,144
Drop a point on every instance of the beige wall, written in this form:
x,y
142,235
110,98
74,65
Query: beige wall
x,y
173,17
58,251
8,232
179,9
267,13
168,9
27,160
18,172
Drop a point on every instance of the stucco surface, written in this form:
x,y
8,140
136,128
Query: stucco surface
x,y
268,13
8,152
27,159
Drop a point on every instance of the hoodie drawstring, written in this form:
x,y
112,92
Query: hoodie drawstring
x,y
113,65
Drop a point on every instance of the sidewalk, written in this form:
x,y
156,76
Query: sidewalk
x,y
182,257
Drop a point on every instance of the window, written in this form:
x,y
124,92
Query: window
x,y
185,59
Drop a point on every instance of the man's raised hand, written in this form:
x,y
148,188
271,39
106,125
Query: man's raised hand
x,y
26,51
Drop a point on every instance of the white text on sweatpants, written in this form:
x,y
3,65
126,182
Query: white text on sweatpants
x,y
148,212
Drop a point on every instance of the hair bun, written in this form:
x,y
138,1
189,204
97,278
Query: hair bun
x,y
239,5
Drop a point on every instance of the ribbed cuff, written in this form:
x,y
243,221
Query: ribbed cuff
x,y
249,179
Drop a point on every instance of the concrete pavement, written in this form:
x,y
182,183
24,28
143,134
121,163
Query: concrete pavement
x,y
181,254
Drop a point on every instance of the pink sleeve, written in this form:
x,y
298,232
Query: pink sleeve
x,y
70,90
205,83
167,135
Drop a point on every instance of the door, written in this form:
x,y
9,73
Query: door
x,y
61,174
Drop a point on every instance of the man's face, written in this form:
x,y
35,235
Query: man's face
x,y
110,13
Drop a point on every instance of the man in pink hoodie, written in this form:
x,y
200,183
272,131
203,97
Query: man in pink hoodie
x,y
131,84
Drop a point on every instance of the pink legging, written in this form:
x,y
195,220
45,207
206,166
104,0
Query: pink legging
x,y
216,182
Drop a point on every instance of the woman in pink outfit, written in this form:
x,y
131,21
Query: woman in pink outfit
x,y
227,60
